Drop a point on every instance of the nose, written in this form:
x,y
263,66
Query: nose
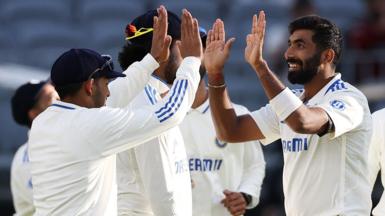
x,y
288,53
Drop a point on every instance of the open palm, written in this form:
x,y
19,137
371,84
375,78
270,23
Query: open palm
x,y
217,50
254,41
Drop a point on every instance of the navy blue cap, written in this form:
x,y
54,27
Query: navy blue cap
x,y
79,65
146,20
24,99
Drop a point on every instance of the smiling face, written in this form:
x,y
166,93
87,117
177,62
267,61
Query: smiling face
x,y
302,57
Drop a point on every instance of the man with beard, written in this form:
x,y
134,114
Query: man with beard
x,y
325,128
153,178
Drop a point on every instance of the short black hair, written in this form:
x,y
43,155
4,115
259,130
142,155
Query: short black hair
x,y
68,90
131,53
326,34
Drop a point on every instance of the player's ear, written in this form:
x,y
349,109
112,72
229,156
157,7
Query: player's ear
x,y
88,85
328,56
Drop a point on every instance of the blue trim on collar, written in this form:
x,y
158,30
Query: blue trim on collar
x,y
62,106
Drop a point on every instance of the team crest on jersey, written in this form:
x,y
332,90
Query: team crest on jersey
x,y
337,104
220,144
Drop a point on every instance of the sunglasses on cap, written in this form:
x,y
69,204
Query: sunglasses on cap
x,y
108,64
139,32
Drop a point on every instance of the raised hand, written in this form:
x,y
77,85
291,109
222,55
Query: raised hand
x,y
190,44
217,50
160,48
254,40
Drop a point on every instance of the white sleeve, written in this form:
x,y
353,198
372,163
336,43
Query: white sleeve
x,y
112,130
268,123
376,147
124,89
345,110
159,191
253,172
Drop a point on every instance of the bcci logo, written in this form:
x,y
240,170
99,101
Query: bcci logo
x,y
337,104
220,144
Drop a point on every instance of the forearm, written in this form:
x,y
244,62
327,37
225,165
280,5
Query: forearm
x,y
123,90
270,82
223,114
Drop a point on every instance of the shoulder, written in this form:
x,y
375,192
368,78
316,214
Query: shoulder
x,y
379,116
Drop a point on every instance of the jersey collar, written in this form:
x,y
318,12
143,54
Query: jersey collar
x,y
64,105
324,90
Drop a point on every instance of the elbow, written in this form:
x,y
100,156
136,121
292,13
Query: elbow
x,y
226,136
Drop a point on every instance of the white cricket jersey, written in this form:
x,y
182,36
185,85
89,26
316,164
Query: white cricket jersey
x,y
377,156
216,166
153,178
73,149
21,183
325,175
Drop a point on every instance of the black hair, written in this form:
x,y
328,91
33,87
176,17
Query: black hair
x,y
326,34
68,90
131,53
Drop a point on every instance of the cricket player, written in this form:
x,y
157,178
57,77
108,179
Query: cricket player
x,y
325,128
153,178
227,177
377,157
73,143
29,101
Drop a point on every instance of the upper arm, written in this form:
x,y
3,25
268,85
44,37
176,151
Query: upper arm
x,y
346,111
376,147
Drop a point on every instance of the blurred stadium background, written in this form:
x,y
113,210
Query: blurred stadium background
x,y
34,33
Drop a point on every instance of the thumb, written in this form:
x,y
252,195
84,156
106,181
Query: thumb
x,y
168,41
226,192
228,46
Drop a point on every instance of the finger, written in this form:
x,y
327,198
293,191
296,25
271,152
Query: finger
x,y
254,26
167,41
195,28
189,23
262,24
183,25
235,209
228,46
234,196
227,192
216,30
236,202
208,38
221,31
241,212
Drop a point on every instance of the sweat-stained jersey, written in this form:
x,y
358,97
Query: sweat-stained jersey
x,y
325,175
377,156
216,166
153,178
73,149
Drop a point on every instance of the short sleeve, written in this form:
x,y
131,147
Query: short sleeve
x,y
346,110
268,123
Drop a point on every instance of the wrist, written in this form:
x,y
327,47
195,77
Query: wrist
x,y
248,198
260,66
215,79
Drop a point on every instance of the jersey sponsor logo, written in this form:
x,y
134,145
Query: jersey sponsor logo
x,y
337,104
181,166
295,145
336,86
174,102
205,165
219,143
